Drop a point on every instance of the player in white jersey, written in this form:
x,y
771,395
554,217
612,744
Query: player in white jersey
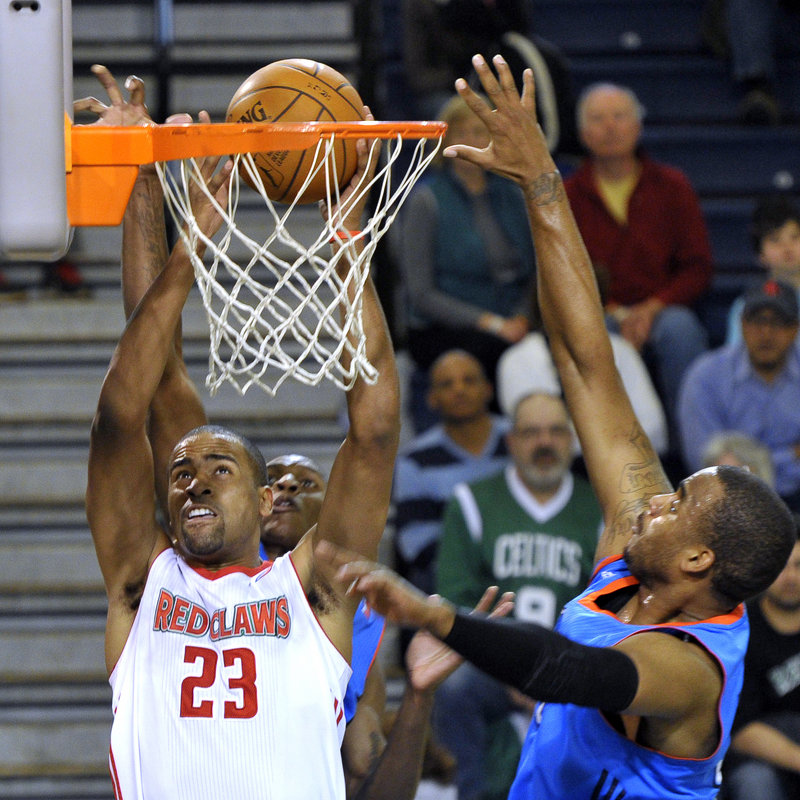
x,y
375,769
232,647
237,703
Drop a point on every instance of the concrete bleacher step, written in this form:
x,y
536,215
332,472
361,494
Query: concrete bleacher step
x,y
56,480
51,648
55,701
59,479
64,599
49,561
95,250
26,520
41,741
58,694
33,394
60,785
102,244
259,33
97,323
246,30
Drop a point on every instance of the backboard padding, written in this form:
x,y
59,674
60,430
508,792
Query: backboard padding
x,y
35,88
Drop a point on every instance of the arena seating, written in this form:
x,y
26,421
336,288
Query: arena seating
x,y
54,698
656,49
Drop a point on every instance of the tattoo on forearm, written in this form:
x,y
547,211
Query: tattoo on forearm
x,y
646,474
639,480
546,189
624,517
639,440
641,477
152,230
376,744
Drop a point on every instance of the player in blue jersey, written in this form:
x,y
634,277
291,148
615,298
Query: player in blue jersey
x,y
638,688
298,487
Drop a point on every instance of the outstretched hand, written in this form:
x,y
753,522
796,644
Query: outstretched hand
x,y
132,111
429,662
517,149
385,591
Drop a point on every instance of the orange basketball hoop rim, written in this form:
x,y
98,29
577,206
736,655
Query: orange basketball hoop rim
x,y
102,161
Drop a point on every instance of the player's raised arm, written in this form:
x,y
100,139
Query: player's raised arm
x,y
119,498
357,499
622,464
176,407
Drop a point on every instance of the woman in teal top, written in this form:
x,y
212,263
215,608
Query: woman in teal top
x,y
466,256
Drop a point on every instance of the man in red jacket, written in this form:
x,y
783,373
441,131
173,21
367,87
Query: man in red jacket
x,y
642,225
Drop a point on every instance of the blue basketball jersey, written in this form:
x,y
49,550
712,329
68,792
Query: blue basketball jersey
x,y
368,627
574,753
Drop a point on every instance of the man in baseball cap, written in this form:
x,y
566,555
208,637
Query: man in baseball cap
x,y
751,387
775,296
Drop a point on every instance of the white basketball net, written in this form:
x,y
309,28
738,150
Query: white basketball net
x,y
279,307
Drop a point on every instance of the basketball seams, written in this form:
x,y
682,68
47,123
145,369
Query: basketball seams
x,y
307,155
298,93
278,93
341,151
337,89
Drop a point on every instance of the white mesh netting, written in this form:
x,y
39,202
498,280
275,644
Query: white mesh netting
x,y
280,301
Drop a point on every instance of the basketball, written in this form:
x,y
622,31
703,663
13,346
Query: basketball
x,y
297,90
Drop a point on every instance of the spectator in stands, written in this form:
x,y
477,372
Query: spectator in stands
x,y
440,37
528,367
764,760
751,387
466,256
641,221
755,28
775,233
468,444
733,449
532,529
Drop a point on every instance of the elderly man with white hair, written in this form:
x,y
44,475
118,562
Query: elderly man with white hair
x,y
642,223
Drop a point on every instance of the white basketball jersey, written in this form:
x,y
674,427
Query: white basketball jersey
x,y
227,688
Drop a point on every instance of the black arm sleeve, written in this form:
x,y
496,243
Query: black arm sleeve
x,y
545,665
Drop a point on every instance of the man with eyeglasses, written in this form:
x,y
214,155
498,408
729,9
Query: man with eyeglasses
x,y
751,387
532,529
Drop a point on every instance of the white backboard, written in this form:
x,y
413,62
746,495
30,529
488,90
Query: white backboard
x,y
35,92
